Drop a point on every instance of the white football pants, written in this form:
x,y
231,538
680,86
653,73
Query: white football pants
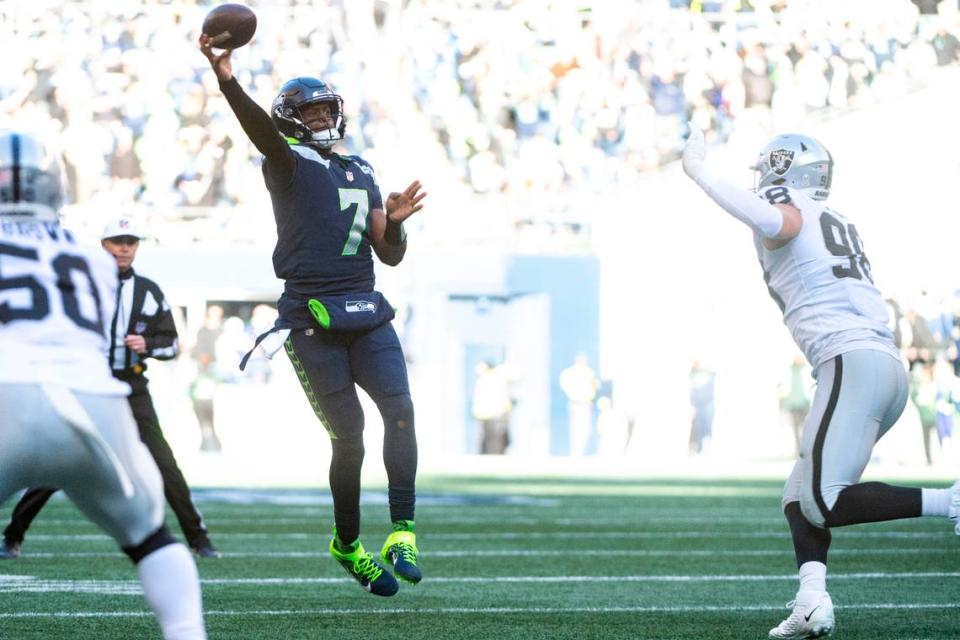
x,y
86,444
860,395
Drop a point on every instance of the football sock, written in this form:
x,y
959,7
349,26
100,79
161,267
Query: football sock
x,y
172,589
813,576
347,528
936,502
403,525
344,547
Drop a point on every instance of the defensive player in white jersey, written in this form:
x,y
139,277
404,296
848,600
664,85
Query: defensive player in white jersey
x,y
816,270
64,419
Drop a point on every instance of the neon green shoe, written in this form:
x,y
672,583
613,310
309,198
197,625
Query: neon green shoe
x,y
400,550
364,569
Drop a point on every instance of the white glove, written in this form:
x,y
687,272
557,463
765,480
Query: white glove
x,y
694,153
743,205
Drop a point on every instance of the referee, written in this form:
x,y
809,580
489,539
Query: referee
x,y
142,327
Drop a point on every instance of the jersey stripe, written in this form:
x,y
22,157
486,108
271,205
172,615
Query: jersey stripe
x,y
822,435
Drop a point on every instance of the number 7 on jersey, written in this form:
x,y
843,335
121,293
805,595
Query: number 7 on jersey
x,y
357,197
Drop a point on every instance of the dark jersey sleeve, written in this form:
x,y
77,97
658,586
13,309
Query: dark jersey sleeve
x,y
161,332
376,199
280,160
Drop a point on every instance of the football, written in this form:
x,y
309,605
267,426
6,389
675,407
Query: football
x,y
230,25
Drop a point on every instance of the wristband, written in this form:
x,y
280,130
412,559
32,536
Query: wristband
x,y
395,233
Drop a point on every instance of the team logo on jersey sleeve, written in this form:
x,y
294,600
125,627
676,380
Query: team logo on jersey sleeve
x,y
780,161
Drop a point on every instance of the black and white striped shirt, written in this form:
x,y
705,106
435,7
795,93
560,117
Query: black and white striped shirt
x,y
141,310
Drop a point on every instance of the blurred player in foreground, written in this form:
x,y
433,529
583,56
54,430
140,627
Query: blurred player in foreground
x,y
65,420
142,327
814,264
334,325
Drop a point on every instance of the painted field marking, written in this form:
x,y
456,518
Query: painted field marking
x,y
477,610
533,553
30,584
541,535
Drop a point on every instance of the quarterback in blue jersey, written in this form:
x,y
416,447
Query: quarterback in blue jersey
x,y
330,220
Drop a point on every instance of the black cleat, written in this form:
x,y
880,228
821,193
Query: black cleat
x,y
206,550
9,550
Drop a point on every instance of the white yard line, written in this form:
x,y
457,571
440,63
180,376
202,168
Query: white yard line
x,y
472,610
605,578
543,535
26,583
533,553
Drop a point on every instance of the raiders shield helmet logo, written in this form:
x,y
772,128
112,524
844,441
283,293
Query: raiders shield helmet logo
x,y
780,160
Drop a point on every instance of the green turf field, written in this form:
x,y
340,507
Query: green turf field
x,y
503,558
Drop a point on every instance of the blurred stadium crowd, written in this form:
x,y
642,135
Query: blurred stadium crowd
x,y
534,100
522,108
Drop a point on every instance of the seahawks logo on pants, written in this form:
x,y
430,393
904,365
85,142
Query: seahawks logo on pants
x,y
356,306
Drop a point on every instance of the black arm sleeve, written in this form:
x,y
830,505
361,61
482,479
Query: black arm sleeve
x,y
161,336
261,130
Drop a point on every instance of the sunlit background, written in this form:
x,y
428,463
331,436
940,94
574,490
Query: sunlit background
x,y
559,228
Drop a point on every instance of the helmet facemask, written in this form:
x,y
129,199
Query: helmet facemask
x,y
288,107
326,138
31,183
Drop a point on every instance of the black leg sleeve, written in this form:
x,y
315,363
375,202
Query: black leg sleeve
x,y
345,416
810,543
874,502
156,540
26,510
399,454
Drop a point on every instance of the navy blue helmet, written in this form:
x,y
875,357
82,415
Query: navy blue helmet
x,y
299,92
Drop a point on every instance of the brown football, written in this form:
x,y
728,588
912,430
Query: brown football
x,y
230,25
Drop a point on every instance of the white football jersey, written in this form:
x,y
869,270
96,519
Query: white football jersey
x,y
823,283
56,303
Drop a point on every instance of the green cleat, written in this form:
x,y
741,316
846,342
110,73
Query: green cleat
x,y
400,550
364,569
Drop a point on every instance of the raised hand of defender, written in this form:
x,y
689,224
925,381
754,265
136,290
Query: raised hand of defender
x,y
695,152
221,63
401,206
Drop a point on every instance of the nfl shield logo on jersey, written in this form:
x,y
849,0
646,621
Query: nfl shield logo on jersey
x,y
780,160
350,176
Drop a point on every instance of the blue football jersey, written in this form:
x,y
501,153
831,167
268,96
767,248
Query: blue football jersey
x,y
323,217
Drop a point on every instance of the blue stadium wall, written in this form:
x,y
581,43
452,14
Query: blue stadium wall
x,y
573,285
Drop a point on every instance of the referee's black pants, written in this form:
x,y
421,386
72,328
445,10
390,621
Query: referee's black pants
x,y
174,485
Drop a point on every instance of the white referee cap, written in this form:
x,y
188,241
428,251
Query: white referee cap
x,y
122,226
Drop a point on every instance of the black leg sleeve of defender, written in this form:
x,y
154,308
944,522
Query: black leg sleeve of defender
x,y
26,510
175,487
874,502
810,543
399,454
156,540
